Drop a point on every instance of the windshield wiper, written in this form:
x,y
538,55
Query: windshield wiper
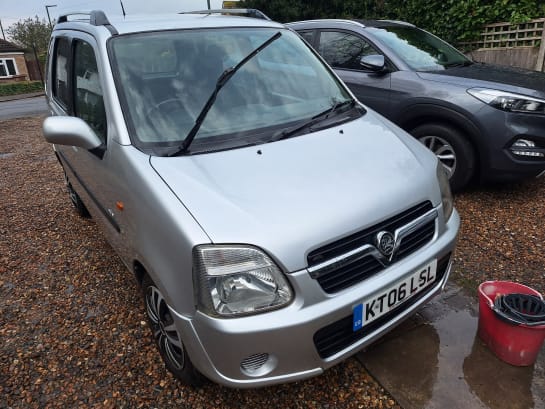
x,y
286,133
458,64
222,80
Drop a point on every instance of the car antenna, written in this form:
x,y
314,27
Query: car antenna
x,y
122,8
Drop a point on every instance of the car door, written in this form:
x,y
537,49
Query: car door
x,y
343,51
78,91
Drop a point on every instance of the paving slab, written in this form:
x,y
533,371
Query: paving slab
x,y
436,360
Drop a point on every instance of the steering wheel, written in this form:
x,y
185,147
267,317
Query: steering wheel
x,y
169,117
168,106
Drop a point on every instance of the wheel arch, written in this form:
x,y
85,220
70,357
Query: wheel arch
x,y
188,373
139,271
427,113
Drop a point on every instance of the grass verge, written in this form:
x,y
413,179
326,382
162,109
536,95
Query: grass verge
x,y
22,87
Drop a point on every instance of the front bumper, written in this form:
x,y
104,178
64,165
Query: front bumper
x,y
500,130
281,346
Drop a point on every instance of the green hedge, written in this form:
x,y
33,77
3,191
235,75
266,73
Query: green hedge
x,y
452,20
22,87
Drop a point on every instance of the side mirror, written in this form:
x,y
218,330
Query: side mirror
x,y
71,131
374,62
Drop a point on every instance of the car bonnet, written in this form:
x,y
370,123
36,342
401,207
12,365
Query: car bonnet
x,y
294,195
492,76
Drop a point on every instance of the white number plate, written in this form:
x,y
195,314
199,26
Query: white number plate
x,y
378,305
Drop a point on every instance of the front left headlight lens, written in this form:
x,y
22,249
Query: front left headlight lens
x,y
507,101
235,280
446,194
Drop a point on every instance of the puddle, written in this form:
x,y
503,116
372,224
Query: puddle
x,y
6,155
436,360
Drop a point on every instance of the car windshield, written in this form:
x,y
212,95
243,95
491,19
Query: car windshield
x,y
165,79
419,49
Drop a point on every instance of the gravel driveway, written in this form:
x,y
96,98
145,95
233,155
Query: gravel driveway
x,y
72,325
502,235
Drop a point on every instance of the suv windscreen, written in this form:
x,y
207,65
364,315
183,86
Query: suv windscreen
x,y
418,49
165,79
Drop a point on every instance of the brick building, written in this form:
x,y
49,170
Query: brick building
x,y
13,65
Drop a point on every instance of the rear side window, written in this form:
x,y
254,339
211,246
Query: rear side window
x,y
60,82
307,35
88,97
344,50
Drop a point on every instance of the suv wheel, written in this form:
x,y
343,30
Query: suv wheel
x,y
452,150
166,336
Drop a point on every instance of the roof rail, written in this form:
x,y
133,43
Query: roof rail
x,y
403,23
254,13
96,18
329,20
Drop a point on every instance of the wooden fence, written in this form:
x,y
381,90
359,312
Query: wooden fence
x,y
33,68
520,45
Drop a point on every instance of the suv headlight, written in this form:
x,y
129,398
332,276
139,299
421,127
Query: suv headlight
x,y
237,280
507,101
446,194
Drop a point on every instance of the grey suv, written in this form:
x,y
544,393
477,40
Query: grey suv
x,y
276,226
482,121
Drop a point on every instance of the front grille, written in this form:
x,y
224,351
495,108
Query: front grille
x,y
339,335
415,240
349,274
353,269
360,238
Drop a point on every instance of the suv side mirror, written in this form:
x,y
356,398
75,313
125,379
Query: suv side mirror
x,y
71,131
374,62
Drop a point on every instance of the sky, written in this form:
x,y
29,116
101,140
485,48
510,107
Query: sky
x,y
12,11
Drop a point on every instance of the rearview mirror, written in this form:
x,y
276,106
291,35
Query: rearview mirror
x,y
374,62
71,131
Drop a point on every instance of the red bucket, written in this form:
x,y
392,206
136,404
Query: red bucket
x,y
517,345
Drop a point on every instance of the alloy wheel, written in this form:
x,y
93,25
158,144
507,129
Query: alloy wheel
x,y
164,330
443,150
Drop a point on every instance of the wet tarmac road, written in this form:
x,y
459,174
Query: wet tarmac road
x,y
23,107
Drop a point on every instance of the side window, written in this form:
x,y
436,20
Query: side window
x,y
60,82
344,50
307,35
88,99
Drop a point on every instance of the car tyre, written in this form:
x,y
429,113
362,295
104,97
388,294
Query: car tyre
x,y
452,149
166,336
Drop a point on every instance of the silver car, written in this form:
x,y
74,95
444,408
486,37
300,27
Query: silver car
x,y
276,225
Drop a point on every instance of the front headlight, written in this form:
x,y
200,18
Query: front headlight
x,y
237,280
507,101
446,195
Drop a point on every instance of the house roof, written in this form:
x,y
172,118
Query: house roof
x,y
7,47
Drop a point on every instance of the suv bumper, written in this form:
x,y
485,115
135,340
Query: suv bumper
x,y
279,346
503,163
